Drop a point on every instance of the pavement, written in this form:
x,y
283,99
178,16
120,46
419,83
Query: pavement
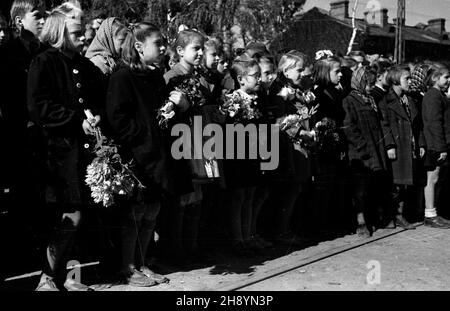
x,y
414,260
391,260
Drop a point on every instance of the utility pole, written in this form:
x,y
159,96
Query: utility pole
x,y
399,56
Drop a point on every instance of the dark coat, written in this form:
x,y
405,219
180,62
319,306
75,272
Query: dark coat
x,y
329,99
208,113
133,99
330,104
364,133
293,165
243,173
18,55
435,120
378,94
404,133
15,59
60,86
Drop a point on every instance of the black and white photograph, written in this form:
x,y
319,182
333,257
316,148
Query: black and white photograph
x,y
224,151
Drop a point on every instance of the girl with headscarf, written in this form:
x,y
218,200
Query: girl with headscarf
x,y
366,149
417,87
106,46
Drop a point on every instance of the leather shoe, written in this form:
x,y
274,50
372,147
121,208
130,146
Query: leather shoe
x,y
362,231
153,275
436,222
403,223
74,286
444,220
139,279
391,225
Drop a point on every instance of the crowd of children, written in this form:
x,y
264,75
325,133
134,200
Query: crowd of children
x,y
367,136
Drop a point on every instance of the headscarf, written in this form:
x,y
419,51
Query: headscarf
x,y
103,42
418,78
359,83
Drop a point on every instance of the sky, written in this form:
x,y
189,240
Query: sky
x,y
417,11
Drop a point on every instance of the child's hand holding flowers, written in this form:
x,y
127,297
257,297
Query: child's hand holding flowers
x,y
89,125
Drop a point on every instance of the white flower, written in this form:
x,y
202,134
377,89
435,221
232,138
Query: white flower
x,y
169,115
168,107
287,93
310,97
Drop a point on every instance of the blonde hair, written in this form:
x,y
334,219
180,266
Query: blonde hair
x,y
435,71
55,31
291,59
71,10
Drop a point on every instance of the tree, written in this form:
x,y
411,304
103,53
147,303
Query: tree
x,y
261,20
128,10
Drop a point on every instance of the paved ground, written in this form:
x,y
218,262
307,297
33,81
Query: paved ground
x,y
416,260
393,260
406,260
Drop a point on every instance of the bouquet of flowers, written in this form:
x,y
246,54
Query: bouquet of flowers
x,y
296,126
327,137
240,106
191,88
107,176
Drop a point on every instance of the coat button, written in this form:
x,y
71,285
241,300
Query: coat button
x,y
81,100
78,85
75,71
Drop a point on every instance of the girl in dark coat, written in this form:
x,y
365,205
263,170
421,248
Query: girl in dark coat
x,y
213,189
263,189
61,84
437,138
402,128
135,93
241,175
329,168
327,76
294,166
183,213
366,149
